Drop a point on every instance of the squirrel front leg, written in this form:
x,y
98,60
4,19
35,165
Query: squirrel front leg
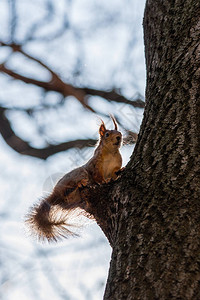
x,y
116,172
119,171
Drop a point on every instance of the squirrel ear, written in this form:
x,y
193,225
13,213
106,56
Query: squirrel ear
x,y
114,121
102,129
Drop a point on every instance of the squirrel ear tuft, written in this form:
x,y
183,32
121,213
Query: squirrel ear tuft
x,y
102,129
114,121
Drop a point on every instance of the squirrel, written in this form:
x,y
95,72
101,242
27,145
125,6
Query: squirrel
x,y
48,219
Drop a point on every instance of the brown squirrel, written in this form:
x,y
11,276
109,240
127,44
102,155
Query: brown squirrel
x,y
49,219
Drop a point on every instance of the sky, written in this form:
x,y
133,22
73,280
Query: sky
x,y
105,49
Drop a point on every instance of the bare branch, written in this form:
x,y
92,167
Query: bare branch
x,y
130,138
39,23
47,19
56,84
113,95
23,147
44,85
13,19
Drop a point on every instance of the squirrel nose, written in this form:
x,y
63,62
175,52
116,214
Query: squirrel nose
x,y
118,138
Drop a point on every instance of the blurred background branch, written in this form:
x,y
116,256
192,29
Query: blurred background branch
x,y
20,64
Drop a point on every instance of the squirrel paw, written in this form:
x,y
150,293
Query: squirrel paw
x,y
119,171
108,180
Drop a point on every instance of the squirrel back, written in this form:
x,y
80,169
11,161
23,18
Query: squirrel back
x,y
49,219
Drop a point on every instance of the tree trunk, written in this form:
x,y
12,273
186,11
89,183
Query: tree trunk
x,y
151,215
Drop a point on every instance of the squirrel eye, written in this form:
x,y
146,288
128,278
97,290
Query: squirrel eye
x,y
107,134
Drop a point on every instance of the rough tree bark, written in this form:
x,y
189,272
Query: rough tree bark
x,y
151,215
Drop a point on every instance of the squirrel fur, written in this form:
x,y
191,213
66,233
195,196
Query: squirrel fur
x,y
49,218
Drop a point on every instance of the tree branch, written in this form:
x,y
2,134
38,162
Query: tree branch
x,y
56,84
24,147
102,206
113,95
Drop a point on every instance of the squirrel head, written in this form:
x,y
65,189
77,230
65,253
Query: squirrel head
x,y
111,139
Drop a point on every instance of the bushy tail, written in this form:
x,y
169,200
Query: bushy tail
x,y
49,219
